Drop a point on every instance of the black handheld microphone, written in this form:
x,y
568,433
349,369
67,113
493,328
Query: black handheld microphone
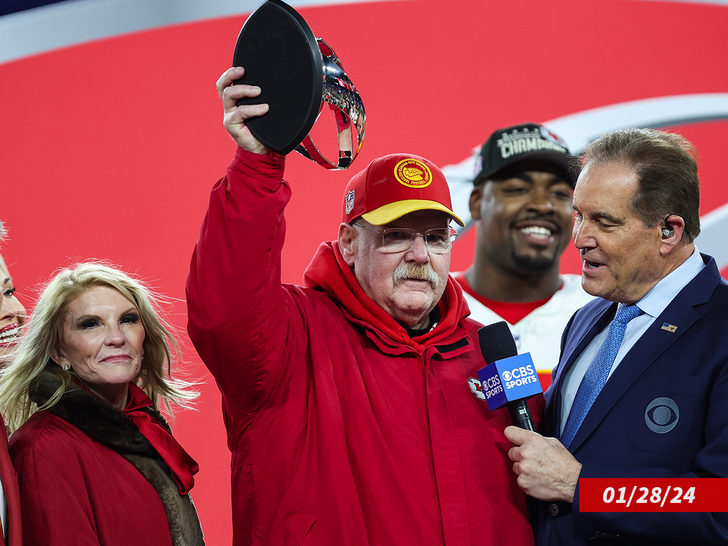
x,y
509,379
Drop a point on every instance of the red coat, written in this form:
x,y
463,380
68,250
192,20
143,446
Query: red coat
x,y
78,492
10,489
343,430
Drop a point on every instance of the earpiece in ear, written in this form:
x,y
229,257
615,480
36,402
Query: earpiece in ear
x,y
667,232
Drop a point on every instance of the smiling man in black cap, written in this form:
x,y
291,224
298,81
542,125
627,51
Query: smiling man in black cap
x,y
522,199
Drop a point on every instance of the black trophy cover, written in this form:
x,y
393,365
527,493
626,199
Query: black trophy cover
x,y
280,55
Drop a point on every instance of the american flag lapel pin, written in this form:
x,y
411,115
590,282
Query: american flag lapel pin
x,y
669,327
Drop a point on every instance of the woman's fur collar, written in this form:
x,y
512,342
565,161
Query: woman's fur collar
x,y
92,415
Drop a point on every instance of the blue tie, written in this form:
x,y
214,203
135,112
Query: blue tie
x,y
598,371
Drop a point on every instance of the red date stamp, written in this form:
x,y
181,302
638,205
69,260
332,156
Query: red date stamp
x,y
653,495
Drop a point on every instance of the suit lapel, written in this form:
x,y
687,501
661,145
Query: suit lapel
x,y
654,342
579,336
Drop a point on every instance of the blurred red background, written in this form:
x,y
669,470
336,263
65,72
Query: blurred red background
x,y
108,149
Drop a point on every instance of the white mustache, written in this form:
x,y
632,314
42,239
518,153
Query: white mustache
x,y
412,271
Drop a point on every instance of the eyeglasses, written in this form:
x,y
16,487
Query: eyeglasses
x,y
394,240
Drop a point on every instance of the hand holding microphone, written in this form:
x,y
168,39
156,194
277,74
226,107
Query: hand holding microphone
x,y
545,468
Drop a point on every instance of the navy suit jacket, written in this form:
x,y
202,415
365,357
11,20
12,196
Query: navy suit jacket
x,y
622,438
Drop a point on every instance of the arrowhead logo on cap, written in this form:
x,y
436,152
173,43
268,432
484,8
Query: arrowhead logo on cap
x,y
413,173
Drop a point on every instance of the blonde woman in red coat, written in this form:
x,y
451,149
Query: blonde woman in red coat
x,y
96,461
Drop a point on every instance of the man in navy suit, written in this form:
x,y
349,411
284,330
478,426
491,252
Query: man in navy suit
x,y
641,389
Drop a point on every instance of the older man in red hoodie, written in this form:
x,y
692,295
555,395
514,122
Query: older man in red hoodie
x,y
347,401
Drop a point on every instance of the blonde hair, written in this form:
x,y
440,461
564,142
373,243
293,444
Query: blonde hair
x,y
44,335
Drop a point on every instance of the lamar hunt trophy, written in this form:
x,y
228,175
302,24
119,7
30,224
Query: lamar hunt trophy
x,y
297,74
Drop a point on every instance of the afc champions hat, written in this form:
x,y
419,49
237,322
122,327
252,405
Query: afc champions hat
x,y
395,185
526,147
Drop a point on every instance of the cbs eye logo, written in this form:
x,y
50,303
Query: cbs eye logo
x,y
507,375
662,415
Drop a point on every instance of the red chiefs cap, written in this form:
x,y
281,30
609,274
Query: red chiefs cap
x,y
395,185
